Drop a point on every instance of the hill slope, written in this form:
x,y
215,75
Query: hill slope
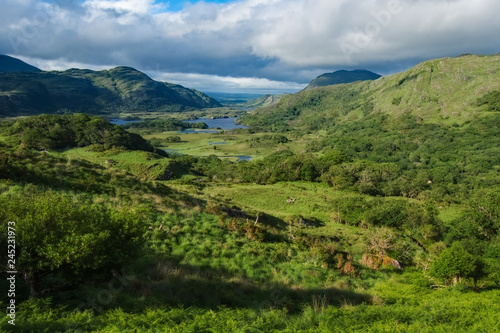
x,y
448,90
342,76
9,65
264,100
121,89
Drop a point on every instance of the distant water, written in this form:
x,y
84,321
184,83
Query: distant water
x,y
224,123
122,122
240,157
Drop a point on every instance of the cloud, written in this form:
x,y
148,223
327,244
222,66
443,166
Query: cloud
x,y
277,40
215,83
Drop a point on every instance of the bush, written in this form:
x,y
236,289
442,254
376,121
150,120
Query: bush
x,y
455,263
54,234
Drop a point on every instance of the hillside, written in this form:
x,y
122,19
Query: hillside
x,y
355,219
10,64
342,76
121,89
264,100
448,90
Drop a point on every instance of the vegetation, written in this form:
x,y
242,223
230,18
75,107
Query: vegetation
x,y
55,235
347,218
165,124
492,100
342,76
114,91
80,130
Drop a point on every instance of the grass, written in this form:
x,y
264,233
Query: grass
x,y
198,144
312,199
139,163
449,213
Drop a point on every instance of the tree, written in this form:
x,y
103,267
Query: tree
x,y
455,263
55,235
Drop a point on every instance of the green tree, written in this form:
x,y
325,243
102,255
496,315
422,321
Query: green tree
x,y
55,235
455,263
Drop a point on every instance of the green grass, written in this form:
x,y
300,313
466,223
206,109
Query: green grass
x,y
198,144
412,310
312,199
139,163
449,213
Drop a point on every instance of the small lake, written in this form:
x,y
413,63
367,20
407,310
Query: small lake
x,y
240,157
244,158
223,123
117,121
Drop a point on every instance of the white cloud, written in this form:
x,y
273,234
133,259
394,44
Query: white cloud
x,y
235,84
281,40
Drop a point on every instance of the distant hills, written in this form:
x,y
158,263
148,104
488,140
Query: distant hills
x,y
342,76
118,90
9,65
264,100
448,91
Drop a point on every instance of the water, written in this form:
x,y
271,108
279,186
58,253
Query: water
x,y
244,158
117,121
240,157
218,143
223,123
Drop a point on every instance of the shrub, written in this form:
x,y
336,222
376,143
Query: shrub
x,y
54,234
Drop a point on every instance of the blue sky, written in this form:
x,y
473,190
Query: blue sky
x,y
258,46
177,5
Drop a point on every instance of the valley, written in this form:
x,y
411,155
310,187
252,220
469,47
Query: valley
x,y
368,206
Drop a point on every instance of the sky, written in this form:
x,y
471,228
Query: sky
x,y
254,46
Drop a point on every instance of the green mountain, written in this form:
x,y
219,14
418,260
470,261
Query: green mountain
x,y
342,76
121,89
9,65
444,91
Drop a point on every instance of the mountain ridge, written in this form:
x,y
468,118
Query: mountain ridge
x,y
444,90
117,90
10,65
342,76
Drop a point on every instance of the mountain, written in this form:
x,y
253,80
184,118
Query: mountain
x,y
342,76
118,90
440,91
9,65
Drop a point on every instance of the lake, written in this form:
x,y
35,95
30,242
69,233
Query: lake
x,y
122,122
223,123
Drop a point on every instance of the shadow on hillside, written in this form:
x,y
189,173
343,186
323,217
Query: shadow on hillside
x,y
163,283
